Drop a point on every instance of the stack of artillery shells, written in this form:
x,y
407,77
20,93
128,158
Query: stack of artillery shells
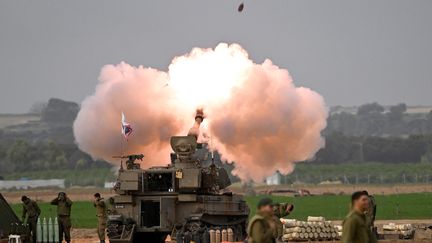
x,y
316,228
405,231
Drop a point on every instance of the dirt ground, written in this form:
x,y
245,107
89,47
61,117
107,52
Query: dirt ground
x,y
83,194
84,236
421,236
90,236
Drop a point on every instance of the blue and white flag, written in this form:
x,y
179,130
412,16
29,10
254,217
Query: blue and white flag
x,y
126,127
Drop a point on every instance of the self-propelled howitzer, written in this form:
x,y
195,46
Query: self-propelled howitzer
x,y
187,200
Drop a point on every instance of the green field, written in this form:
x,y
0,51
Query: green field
x,y
403,206
83,213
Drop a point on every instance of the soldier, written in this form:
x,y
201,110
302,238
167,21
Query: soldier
x,y
64,205
130,163
371,213
280,210
110,207
32,211
261,227
101,216
355,226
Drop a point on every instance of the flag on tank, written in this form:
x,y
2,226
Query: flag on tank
x,y
126,127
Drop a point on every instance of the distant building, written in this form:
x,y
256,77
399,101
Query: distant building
x,y
275,179
29,184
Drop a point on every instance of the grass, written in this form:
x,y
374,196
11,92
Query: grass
x,y
83,213
402,206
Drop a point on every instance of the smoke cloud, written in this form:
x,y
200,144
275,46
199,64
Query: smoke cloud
x,y
254,114
141,94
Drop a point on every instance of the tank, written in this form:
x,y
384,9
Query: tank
x,y
186,199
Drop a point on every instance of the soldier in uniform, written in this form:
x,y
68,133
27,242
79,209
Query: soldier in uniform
x,y
371,213
31,211
130,163
64,205
355,226
280,210
101,216
261,228
110,209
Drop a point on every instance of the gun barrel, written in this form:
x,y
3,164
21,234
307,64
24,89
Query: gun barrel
x,y
137,156
194,130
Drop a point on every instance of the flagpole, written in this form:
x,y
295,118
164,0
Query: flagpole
x,y
121,148
121,152
126,131
121,145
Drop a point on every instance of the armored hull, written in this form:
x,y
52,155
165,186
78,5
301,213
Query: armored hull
x,y
185,200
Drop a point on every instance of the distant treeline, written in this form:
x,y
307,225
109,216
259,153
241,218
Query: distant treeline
x,y
374,120
341,148
371,133
22,156
375,135
46,144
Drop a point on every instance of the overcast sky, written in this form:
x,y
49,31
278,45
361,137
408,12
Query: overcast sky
x,y
351,52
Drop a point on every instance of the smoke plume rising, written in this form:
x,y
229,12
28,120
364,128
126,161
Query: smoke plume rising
x,y
254,114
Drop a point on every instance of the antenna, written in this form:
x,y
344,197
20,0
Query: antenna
x,y
211,147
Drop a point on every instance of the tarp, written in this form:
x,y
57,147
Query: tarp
x,y
7,217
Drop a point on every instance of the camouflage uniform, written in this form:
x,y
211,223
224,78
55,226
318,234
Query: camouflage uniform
x,y
259,230
32,211
101,216
63,211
